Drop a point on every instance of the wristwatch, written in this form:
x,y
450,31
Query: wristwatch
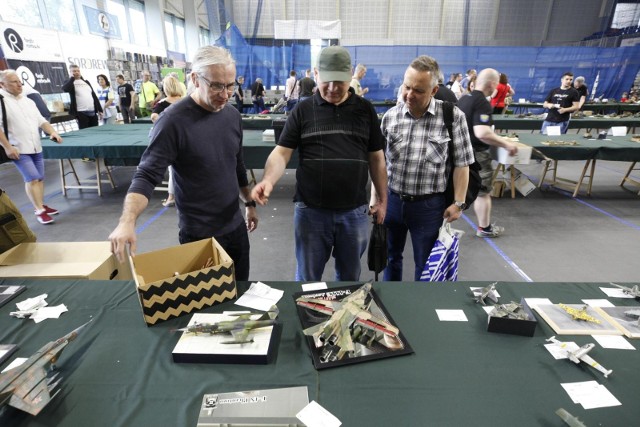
x,y
460,205
251,204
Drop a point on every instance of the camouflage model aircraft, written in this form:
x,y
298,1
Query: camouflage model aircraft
x,y
579,314
28,387
487,292
579,354
239,328
634,291
513,310
349,319
569,419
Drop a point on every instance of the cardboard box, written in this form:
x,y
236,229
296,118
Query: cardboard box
x,y
62,260
178,280
522,157
524,185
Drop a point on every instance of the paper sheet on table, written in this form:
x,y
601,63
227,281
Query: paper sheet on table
x,y
314,286
558,352
598,302
531,302
29,303
48,313
613,341
260,297
16,362
314,415
451,316
590,394
615,293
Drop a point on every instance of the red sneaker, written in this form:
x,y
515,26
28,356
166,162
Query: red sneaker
x,y
44,218
50,211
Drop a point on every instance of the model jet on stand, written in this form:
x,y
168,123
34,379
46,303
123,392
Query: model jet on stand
x,y
239,328
350,321
28,387
579,354
634,291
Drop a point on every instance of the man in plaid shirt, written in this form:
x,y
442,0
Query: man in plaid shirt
x,y
418,163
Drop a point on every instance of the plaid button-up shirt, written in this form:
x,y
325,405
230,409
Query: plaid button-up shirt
x,y
418,148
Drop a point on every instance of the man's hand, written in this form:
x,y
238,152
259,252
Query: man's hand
x,y
123,234
55,137
12,152
512,149
452,213
252,218
379,211
261,192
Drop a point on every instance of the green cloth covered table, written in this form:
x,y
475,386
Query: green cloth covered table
x,y
511,122
119,372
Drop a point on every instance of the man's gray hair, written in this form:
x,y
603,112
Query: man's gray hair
x,y
579,79
360,67
424,63
210,55
440,78
5,73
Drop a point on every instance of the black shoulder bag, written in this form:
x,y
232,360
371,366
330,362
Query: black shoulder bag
x,y
3,156
475,182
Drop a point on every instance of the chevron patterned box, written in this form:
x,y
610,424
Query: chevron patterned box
x,y
178,280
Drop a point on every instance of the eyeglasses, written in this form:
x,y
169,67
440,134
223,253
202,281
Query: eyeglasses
x,y
219,87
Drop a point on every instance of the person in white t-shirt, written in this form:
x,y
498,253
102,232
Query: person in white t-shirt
x,y
85,105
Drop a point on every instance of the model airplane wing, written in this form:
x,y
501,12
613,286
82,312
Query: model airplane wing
x,y
319,305
368,320
589,361
239,336
34,394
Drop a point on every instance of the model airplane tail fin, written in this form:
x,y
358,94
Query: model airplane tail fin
x,y
272,314
607,373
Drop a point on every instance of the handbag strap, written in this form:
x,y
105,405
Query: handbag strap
x,y
5,125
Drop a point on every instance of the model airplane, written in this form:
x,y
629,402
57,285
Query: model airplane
x,y
513,310
579,354
488,292
634,291
569,419
634,314
350,321
239,328
579,314
28,386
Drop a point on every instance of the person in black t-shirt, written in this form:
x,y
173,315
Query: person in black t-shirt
x,y
582,89
561,102
238,95
127,96
478,111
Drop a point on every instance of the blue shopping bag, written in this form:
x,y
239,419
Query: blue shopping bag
x,y
442,264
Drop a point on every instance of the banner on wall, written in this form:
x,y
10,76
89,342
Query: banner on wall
x,y
302,29
87,52
101,23
45,77
29,43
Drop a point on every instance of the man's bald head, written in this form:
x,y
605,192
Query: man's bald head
x,y
487,80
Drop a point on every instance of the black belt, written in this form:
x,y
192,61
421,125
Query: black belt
x,y
412,198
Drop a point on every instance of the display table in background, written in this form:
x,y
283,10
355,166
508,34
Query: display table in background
x,y
119,372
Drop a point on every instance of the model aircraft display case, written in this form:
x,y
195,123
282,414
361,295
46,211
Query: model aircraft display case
x,y
508,325
369,344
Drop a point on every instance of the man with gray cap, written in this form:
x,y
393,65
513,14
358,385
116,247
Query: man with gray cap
x,y
339,144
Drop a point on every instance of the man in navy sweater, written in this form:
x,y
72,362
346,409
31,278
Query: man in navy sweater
x,y
201,137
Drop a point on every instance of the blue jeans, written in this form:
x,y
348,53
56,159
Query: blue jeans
x,y
235,244
31,166
423,220
563,126
320,233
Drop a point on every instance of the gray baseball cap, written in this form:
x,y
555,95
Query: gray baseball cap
x,y
334,64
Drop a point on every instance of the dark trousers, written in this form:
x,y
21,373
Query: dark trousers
x,y
126,114
235,243
85,121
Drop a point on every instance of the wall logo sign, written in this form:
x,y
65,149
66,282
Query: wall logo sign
x,y
27,77
103,22
13,40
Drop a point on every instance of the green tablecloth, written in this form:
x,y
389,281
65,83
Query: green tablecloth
x,y
588,106
119,372
118,142
514,123
615,148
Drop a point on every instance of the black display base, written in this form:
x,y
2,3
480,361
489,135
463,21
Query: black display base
x,y
505,325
